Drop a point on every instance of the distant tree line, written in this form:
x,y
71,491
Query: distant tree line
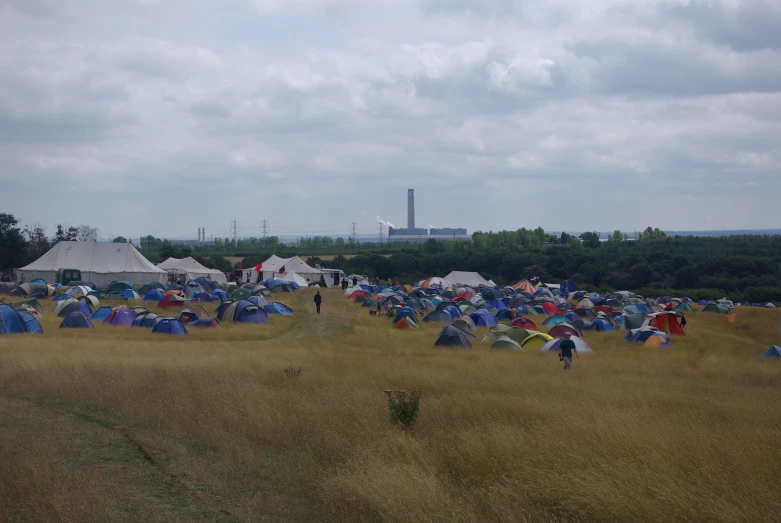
x,y
745,268
740,267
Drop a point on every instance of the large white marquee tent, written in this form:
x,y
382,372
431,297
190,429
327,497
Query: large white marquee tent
x,y
99,263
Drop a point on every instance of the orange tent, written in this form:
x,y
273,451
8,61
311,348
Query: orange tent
x,y
525,285
403,324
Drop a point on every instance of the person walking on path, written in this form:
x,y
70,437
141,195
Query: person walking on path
x,y
565,351
318,301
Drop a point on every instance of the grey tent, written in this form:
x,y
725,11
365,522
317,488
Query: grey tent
x,y
439,316
451,336
629,321
717,308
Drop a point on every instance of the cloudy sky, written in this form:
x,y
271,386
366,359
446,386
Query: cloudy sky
x,y
160,116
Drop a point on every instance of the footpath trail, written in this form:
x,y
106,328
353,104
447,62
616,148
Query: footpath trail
x,y
121,475
311,329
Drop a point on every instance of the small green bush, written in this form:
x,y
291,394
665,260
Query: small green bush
x,y
290,372
404,409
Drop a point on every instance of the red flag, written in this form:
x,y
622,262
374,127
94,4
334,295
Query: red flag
x,y
258,267
282,270
240,267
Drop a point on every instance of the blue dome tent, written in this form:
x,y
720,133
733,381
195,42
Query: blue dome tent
x,y
170,326
278,308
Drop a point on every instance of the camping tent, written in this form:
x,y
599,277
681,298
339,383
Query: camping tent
x,y
169,326
191,269
120,316
100,263
76,320
483,318
241,311
503,342
717,308
278,308
580,345
471,279
666,321
11,321
272,268
451,336
773,352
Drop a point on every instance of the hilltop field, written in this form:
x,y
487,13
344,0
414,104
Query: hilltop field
x,y
118,424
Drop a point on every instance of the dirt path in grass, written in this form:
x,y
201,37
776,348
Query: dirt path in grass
x,y
55,450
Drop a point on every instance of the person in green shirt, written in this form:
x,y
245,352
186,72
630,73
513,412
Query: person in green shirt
x,y
565,351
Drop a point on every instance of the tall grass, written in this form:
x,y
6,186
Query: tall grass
x,y
120,424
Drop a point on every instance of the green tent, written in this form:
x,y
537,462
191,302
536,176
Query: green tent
x,y
685,307
240,294
359,300
467,309
119,286
503,342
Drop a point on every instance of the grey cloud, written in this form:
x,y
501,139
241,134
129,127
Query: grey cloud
x,y
485,8
746,26
653,67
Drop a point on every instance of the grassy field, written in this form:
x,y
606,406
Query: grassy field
x,y
117,424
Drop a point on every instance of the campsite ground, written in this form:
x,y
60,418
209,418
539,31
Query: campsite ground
x,y
117,424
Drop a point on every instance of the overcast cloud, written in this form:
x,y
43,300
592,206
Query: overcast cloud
x,y
162,116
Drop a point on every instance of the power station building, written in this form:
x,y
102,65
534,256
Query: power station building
x,y
413,234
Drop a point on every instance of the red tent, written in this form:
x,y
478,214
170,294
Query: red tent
x,y
171,301
523,323
549,307
666,321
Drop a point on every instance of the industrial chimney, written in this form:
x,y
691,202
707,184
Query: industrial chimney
x,y
411,209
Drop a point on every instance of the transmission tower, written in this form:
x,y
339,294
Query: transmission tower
x,y
265,228
354,231
234,230
381,231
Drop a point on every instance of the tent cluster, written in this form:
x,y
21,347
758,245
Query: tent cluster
x,y
521,316
80,305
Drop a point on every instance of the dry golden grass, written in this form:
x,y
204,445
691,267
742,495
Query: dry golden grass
x,y
118,424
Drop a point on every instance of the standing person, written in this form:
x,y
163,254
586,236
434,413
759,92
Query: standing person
x,y
565,351
390,283
318,301
344,283
355,281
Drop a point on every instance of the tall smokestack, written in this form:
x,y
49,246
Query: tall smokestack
x,y
411,209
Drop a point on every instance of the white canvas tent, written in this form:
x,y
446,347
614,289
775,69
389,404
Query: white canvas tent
x,y
294,277
191,269
471,279
273,266
99,263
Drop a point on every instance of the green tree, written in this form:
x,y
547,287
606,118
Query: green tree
x,y
120,239
590,239
642,275
37,241
13,247
617,237
72,234
59,236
